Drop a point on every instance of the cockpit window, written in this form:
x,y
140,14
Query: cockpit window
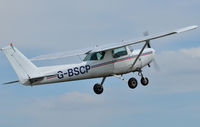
x,y
94,56
119,52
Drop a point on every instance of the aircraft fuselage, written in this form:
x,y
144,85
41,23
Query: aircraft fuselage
x,y
108,66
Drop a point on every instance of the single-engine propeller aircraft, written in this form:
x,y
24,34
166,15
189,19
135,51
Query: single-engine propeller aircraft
x,y
102,61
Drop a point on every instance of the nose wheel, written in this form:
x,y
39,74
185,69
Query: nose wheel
x,y
144,81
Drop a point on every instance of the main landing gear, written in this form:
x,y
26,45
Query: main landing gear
x,y
132,82
98,88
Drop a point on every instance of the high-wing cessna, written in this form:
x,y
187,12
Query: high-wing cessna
x,y
102,61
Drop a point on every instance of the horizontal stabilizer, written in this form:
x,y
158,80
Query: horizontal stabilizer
x,y
11,82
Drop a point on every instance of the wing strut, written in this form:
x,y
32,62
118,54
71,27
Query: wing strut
x,y
147,42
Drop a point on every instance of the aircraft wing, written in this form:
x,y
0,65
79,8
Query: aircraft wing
x,y
62,55
109,46
152,37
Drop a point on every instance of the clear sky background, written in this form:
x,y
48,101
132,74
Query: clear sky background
x,y
46,26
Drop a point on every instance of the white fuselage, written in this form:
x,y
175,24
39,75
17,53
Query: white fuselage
x,y
96,68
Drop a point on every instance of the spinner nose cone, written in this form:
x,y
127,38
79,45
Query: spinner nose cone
x,y
153,53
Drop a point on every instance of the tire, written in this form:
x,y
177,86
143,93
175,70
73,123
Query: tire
x,y
144,81
132,83
98,89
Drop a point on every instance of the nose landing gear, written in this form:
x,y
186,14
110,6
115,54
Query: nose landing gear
x,y
144,80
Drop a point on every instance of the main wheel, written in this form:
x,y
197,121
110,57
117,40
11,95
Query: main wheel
x,y
98,89
144,81
132,83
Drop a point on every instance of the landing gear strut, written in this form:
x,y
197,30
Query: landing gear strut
x,y
98,88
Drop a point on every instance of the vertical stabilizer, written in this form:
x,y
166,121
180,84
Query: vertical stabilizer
x,y
23,67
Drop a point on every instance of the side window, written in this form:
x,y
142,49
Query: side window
x,y
100,55
119,52
94,56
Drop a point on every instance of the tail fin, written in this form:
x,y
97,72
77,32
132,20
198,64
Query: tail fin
x,y
23,67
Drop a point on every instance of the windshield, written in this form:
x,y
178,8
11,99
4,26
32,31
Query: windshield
x,y
94,56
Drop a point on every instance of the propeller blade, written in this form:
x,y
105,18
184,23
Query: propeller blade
x,y
156,66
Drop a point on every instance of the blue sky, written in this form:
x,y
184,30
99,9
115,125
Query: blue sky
x,y
45,26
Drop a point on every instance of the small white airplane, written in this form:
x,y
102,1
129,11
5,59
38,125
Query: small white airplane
x,y
114,60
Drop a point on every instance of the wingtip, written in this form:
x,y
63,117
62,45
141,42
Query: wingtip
x,y
194,27
187,29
